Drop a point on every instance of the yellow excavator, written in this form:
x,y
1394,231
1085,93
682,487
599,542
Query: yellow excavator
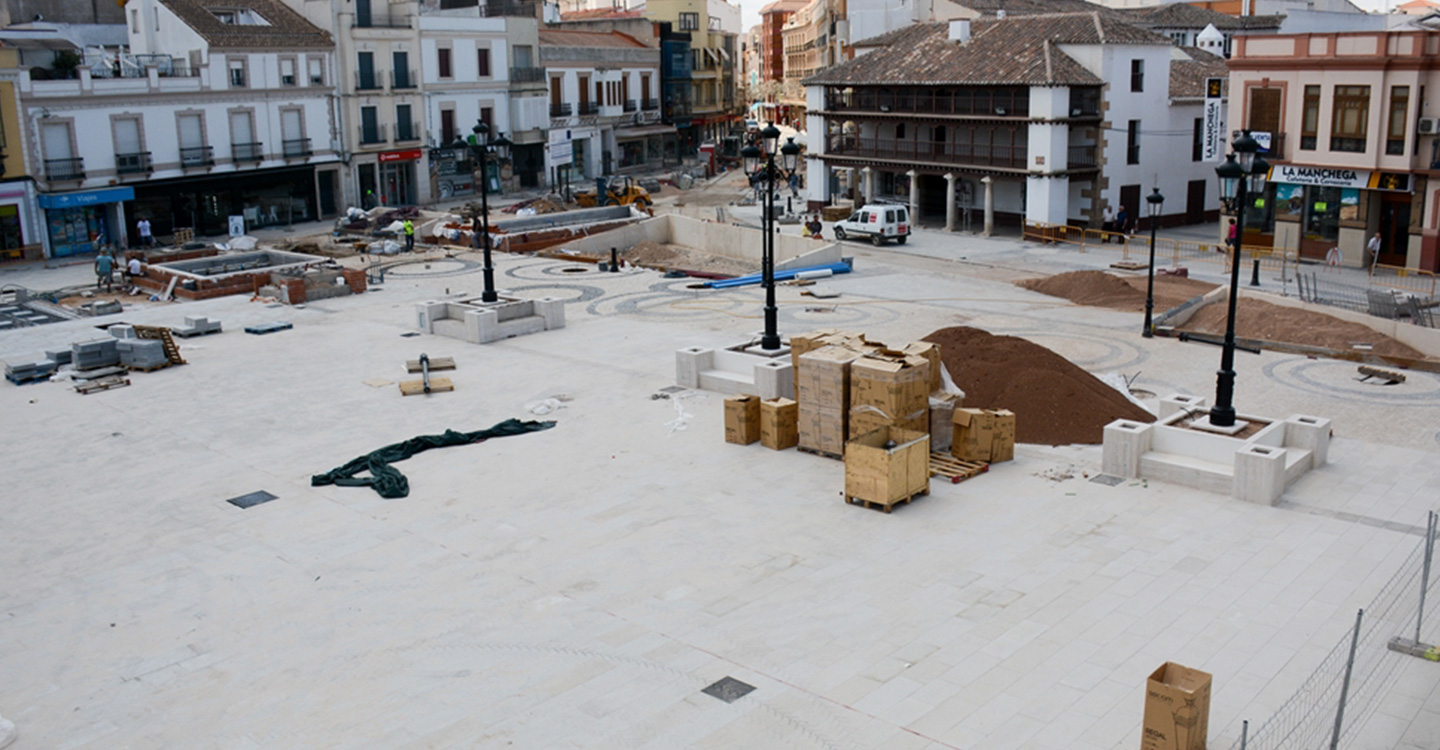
x,y
621,191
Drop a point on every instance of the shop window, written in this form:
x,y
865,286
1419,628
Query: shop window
x,y
1350,119
1310,119
1399,106
1322,214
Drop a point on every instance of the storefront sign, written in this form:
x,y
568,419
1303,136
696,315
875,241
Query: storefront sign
x,y
407,155
1262,137
1213,140
562,149
86,198
1320,176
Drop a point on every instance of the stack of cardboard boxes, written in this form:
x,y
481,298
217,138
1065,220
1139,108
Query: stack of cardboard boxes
x,y
889,388
983,435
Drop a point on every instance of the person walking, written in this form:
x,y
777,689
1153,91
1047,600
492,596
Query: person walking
x,y
1122,222
104,266
1107,222
143,227
1374,247
1232,237
409,228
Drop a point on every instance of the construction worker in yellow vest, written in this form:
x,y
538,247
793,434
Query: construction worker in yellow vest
x,y
409,235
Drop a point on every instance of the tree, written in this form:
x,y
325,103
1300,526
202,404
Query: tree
x,y
65,63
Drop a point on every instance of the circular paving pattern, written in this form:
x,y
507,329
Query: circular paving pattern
x,y
430,268
549,270
571,293
1331,377
1090,352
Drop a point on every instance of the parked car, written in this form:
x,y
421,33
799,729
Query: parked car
x,y
878,222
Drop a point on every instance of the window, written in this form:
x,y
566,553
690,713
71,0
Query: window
x,y
444,62
1137,75
237,73
714,23
369,125
1310,119
487,116
287,72
1197,140
689,21
899,131
1399,106
365,71
226,17
129,153
524,56
317,72
400,62
482,62
193,151
1350,123
293,142
447,127
135,22
1132,143
404,128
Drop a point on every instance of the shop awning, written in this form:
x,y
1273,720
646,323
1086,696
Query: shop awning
x,y
642,131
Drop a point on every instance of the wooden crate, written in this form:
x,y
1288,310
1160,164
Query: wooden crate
x,y
887,476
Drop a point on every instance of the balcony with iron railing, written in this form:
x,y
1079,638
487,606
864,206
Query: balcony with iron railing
x,y
296,148
631,105
1082,157
372,135
589,108
197,156
367,81
134,163
247,152
560,110
649,104
407,131
404,79
970,103
527,75
1007,157
64,169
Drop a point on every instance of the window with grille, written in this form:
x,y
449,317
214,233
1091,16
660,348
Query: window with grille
x,y
1399,107
1350,122
1310,118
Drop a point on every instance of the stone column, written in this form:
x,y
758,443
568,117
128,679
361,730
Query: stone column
x,y
914,199
989,204
949,201
867,182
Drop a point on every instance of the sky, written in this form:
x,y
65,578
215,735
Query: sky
x,y
750,9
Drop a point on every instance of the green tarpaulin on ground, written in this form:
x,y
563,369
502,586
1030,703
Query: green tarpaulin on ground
x,y
388,481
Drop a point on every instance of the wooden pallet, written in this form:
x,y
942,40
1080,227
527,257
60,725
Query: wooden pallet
x,y
436,363
161,334
101,384
952,468
818,452
26,381
414,387
884,507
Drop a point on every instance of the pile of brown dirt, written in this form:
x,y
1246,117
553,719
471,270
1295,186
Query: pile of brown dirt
x,y
647,253
1100,289
1257,319
1055,402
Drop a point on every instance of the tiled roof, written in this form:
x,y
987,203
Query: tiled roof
x,y
1186,16
1030,7
287,30
566,38
1015,50
1189,67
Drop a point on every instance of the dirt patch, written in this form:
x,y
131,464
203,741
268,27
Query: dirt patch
x,y
1257,319
1101,289
666,257
1055,401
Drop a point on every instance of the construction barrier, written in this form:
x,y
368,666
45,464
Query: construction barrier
x,y
1411,280
1136,247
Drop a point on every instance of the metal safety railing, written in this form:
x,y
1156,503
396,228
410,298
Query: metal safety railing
x,y
1408,279
1136,247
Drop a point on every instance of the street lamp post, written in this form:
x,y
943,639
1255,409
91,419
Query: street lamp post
x,y
481,147
1242,174
1155,201
789,157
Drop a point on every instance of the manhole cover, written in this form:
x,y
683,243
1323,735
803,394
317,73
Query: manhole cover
x,y
1107,479
409,335
574,270
251,500
728,689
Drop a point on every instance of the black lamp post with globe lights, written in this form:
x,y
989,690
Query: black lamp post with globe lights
x,y
789,159
1155,200
1242,176
480,149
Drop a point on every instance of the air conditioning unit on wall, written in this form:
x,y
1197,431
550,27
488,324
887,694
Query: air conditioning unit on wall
x,y
1429,126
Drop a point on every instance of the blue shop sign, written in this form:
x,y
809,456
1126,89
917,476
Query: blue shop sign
x,y
87,198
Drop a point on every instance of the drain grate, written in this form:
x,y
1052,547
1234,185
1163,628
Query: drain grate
x,y
1108,480
251,500
728,689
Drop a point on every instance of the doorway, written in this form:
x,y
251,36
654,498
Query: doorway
x,y
1195,202
1394,228
1130,203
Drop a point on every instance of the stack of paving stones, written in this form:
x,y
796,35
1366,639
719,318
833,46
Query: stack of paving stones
x,y
142,354
94,354
197,327
12,316
122,331
59,356
25,372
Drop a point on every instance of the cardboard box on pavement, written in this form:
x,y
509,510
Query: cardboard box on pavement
x,y
1177,709
974,432
889,389
1002,443
742,419
779,424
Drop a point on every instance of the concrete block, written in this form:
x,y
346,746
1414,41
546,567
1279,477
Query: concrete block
x,y
1311,434
1124,443
1177,403
196,323
774,379
482,326
426,313
59,356
552,310
122,331
690,362
1259,474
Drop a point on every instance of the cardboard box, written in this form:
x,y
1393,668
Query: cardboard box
x,y
974,431
942,420
742,419
889,389
823,392
809,342
1177,709
886,475
822,429
931,353
1002,442
779,424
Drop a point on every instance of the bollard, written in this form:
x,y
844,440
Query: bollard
x,y
1255,273
614,261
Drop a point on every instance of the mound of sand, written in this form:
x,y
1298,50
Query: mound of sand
x,y
1055,402
1101,289
1257,319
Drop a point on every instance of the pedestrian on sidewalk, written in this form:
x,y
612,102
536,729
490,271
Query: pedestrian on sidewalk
x,y
1232,237
1374,247
104,266
1122,223
1107,222
409,228
143,227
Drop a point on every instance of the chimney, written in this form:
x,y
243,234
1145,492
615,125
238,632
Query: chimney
x,y
960,30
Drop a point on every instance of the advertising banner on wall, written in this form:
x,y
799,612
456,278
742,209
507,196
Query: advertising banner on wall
x,y
1213,136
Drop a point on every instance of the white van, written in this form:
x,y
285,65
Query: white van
x,y
879,223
